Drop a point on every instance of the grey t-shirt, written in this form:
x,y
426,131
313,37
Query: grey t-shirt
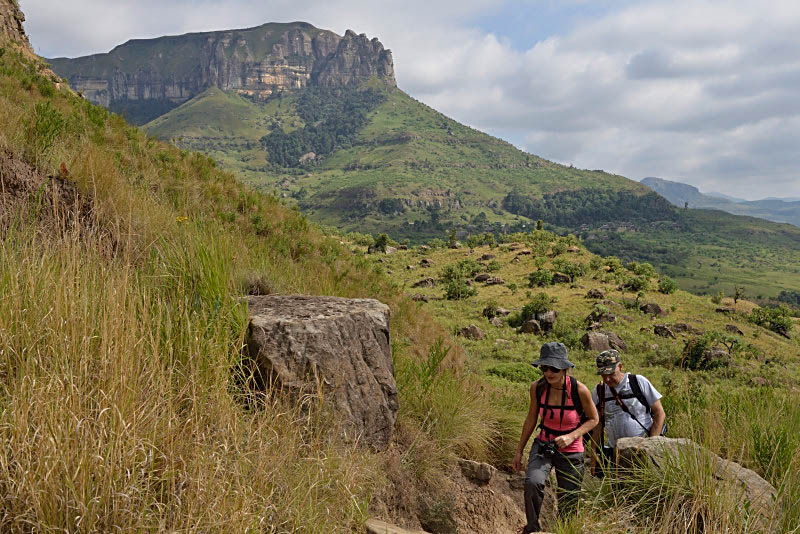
x,y
618,423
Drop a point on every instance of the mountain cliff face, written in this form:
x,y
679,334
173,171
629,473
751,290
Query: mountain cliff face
x,y
144,78
11,19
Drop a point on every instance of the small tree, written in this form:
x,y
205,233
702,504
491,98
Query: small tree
x,y
381,242
667,285
738,292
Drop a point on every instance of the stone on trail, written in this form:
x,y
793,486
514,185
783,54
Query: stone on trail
x,y
561,278
425,282
758,494
595,341
531,326
651,308
299,343
547,319
663,331
477,471
376,526
497,322
733,329
482,277
595,294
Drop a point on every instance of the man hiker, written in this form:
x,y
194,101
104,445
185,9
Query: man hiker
x,y
629,406
566,411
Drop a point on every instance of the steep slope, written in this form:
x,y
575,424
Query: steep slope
x,y
144,78
771,209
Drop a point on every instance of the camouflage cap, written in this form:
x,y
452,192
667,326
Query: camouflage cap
x,y
607,362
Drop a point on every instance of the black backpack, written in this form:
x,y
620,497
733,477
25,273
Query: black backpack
x,y
577,405
636,393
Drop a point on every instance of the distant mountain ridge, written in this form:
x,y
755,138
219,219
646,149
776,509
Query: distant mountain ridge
x,y
145,78
771,209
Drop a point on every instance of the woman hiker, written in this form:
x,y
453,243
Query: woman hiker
x,y
566,411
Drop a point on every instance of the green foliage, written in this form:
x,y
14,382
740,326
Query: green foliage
x,y
458,289
381,242
590,206
790,297
466,268
43,128
637,283
667,285
519,372
699,356
613,263
332,117
539,303
641,269
565,266
540,278
493,266
778,319
559,247
717,297
595,263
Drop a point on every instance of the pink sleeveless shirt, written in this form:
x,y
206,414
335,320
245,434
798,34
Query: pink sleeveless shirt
x,y
551,417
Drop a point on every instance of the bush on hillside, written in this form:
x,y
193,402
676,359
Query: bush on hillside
x,y
613,263
776,319
539,303
698,354
540,278
568,267
667,285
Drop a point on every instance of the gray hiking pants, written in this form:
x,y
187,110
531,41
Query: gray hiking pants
x,y
569,475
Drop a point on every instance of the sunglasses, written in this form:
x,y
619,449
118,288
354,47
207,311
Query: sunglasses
x,y
547,368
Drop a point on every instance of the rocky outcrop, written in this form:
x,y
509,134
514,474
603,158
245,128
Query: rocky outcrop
x,y
256,62
303,344
11,19
759,495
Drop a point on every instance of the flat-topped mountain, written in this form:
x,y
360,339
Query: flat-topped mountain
x,y
145,78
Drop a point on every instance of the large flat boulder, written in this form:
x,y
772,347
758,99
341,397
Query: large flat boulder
x,y
759,494
299,343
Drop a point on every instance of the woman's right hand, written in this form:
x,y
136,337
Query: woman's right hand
x,y
516,465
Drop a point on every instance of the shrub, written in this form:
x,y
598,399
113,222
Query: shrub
x,y
559,247
490,310
381,242
613,263
539,303
638,283
776,319
567,267
717,298
540,278
667,285
698,356
595,263
44,127
458,289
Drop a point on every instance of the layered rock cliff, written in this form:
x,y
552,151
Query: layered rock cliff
x,y
11,19
165,72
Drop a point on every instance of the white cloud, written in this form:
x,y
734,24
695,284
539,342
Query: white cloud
x,y
697,90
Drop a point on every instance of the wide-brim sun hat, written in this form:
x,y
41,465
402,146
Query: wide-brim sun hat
x,y
553,354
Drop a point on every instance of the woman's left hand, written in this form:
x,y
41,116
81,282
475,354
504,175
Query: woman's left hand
x,y
564,441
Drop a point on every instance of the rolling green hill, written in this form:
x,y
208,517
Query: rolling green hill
x,y
416,174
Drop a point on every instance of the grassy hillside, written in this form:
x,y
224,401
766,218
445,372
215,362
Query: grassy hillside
x,y
717,402
123,391
416,174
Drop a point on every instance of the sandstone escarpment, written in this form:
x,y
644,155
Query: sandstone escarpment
x,y
257,62
11,19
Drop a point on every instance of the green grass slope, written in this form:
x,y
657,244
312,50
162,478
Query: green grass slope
x,y
124,394
416,174
741,405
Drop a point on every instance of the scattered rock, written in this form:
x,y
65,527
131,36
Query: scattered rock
x,y
651,308
600,341
573,249
503,311
424,248
515,260
300,342
482,277
472,332
663,331
419,298
758,381
616,342
595,294
477,471
733,329
626,318
495,281
487,257
425,282
497,322
561,278
376,526
726,310
547,320
684,327
402,247
410,267
601,317
425,262
595,341
390,250
760,496
500,341
524,252
455,245
531,326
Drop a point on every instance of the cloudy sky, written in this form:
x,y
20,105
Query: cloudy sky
x,y
703,92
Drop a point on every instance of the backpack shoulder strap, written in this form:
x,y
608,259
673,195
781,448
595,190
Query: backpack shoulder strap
x,y
540,385
576,399
637,392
